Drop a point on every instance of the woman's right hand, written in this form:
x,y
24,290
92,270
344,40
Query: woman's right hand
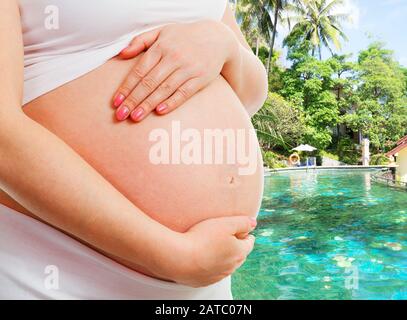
x,y
213,249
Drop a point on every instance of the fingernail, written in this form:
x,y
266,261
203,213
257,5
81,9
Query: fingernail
x,y
127,48
118,100
137,114
161,107
122,113
253,221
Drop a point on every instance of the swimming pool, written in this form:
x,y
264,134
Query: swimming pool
x,y
327,235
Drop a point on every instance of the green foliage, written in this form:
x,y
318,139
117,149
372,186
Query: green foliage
x,y
279,124
254,21
404,70
316,24
367,96
263,54
380,108
323,102
379,160
319,138
330,155
273,160
348,152
309,85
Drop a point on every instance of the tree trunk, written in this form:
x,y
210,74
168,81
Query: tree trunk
x,y
257,46
273,37
269,58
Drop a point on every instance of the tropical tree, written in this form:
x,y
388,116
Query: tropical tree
x,y
343,84
309,84
254,32
279,124
262,16
278,7
323,102
381,110
257,14
316,22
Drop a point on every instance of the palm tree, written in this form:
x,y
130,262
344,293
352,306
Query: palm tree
x,y
279,7
316,21
261,18
264,123
249,26
255,15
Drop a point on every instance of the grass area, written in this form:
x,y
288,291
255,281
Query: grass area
x,y
329,155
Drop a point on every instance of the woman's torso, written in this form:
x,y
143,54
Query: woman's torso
x,y
176,194
66,39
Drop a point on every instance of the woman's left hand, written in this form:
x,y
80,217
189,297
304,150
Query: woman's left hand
x,y
181,59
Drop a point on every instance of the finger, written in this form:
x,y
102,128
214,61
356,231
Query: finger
x,y
238,224
247,244
139,44
163,92
139,71
138,102
242,235
246,249
181,95
238,265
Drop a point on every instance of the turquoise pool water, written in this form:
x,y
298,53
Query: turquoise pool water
x,y
327,235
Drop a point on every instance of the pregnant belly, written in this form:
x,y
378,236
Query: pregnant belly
x,y
200,161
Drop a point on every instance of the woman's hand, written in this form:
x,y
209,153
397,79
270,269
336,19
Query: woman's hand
x,y
212,250
181,59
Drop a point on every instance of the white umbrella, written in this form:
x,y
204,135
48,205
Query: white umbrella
x,y
305,147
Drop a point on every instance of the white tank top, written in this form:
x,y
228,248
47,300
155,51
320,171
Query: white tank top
x,y
65,39
40,262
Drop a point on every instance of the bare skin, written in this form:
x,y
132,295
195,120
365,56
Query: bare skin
x,y
176,195
182,59
85,202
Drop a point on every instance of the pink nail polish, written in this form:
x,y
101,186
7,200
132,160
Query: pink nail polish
x,y
161,107
122,113
137,114
127,48
253,221
118,100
